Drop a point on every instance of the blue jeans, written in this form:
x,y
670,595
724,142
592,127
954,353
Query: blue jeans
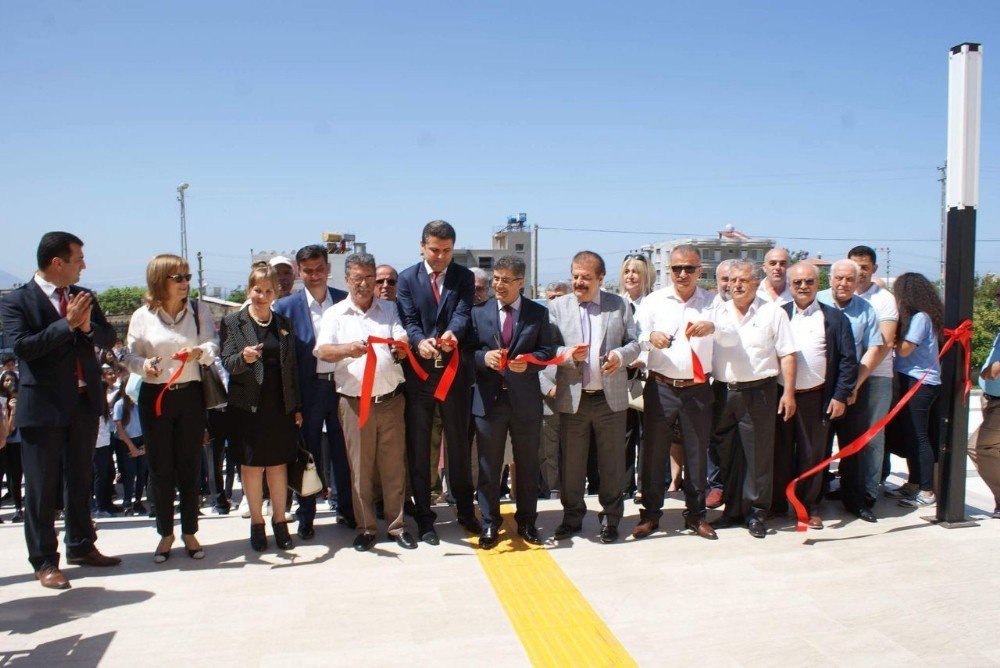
x,y
879,400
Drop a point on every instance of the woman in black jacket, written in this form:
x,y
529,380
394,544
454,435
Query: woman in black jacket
x,y
259,352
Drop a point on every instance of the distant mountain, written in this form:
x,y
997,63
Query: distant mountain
x,y
9,280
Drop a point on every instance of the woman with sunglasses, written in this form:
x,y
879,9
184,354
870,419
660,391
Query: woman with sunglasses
x,y
166,336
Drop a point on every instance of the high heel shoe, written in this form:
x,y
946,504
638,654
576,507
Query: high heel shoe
x,y
193,552
161,556
281,537
258,539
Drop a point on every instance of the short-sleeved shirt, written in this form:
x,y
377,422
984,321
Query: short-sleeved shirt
x,y
992,387
663,311
133,429
747,348
862,318
885,308
923,359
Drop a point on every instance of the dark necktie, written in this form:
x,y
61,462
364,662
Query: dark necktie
x,y
507,329
434,287
63,308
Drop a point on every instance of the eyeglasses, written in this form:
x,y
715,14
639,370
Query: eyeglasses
x,y
180,278
686,268
385,281
358,280
803,281
637,256
503,280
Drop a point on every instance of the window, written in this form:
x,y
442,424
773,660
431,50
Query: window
x,y
519,247
486,262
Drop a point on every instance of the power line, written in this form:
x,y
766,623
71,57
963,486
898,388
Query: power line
x,y
779,236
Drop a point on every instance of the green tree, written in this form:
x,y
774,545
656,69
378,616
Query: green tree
x,y
121,301
985,318
237,296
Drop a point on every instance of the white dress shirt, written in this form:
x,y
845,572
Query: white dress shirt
x,y
596,342
663,311
343,323
317,309
780,300
885,306
440,277
747,348
50,291
156,334
809,333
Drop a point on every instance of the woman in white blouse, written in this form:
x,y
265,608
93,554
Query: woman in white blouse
x,y
159,335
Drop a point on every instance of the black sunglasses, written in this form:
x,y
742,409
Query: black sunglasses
x,y
678,268
180,278
385,281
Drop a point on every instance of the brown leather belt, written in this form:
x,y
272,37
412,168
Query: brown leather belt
x,y
811,389
672,382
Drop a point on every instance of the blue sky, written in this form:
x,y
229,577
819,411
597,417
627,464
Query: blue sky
x,y
788,120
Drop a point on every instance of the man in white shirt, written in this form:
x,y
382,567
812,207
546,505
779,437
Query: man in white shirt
x,y
713,488
377,450
753,346
774,287
825,374
874,464
675,326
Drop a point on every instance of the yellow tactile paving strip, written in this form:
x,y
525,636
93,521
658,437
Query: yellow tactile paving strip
x,y
555,623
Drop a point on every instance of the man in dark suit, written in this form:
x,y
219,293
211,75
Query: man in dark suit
x,y
435,298
55,325
826,371
319,397
508,400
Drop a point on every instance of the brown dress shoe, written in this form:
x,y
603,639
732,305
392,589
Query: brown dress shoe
x,y
714,498
702,528
94,558
52,578
644,528
815,522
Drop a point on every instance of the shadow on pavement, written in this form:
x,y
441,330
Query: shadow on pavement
x,y
35,613
72,650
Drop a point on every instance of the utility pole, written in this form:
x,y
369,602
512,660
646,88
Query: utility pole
x,y
184,235
944,213
886,253
201,277
534,264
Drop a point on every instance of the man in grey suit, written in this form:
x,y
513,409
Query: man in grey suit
x,y
596,333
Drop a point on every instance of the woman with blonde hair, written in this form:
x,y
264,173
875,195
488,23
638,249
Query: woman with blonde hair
x,y
258,351
167,335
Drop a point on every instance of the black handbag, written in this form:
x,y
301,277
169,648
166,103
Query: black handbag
x,y
212,388
304,477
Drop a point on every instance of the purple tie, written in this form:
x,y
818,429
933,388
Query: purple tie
x,y
507,330
585,331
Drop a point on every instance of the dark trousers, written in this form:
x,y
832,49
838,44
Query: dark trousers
x,y
846,428
608,427
173,452
916,418
714,461
133,470
662,406
223,467
45,452
799,445
748,463
491,437
420,403
633,450
320,407
15,472
104,476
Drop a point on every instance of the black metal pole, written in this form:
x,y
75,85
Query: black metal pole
x,y
959,287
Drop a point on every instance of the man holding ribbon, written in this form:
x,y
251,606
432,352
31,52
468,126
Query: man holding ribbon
x,y
595,333
507,332
370,385
435,298
675,326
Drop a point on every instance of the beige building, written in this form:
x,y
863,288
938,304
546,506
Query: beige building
x,y
515,238
728,244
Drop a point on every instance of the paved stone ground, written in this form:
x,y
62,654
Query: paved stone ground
x,y
901,591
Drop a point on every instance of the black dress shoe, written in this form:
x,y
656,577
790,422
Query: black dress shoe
x,y
258,539
756,528
430,537
281,536
564,531
364,542
489,538
306,531
471,524
609,534
405,540
866,515
530,534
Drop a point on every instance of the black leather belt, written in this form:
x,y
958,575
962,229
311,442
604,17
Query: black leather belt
x,y
672,382
751,383
388,395
325,376
594,393
990,396
181,386
811,389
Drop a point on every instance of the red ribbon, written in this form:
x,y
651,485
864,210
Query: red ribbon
x,y
371,362
696,367
450,371
530,359
173,379
961,335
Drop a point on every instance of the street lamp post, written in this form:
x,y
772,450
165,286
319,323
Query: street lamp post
x,y
184,239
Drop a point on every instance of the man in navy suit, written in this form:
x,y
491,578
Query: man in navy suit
x,y
319,397
508,401
435,298
55,325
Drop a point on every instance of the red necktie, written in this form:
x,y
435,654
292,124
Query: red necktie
x,y
63,305
434,287
507,330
